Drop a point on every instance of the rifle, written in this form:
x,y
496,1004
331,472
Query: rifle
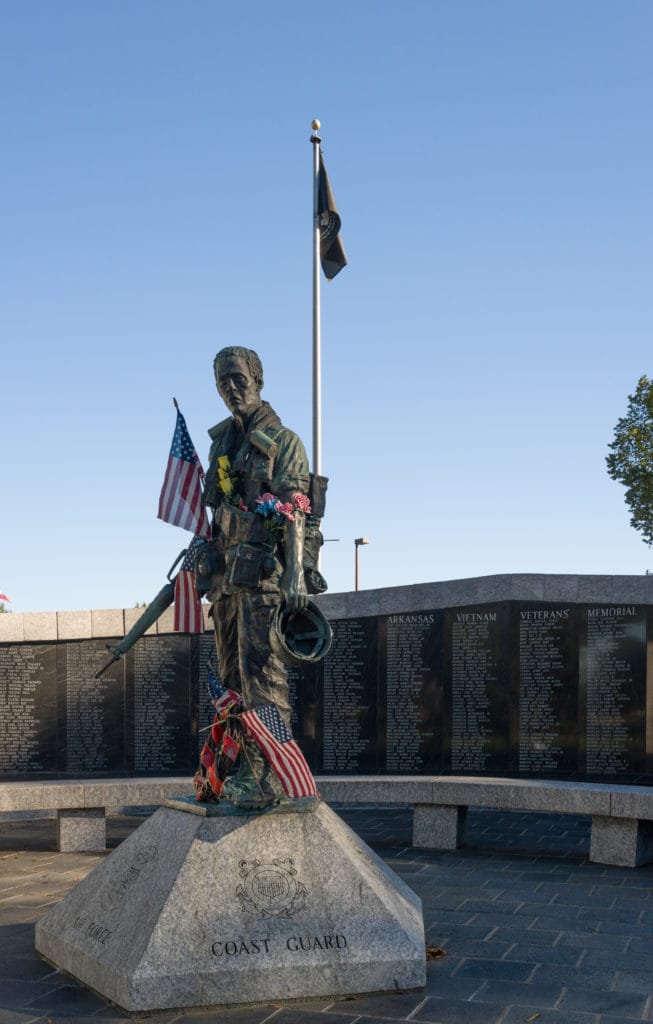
x,y
154,610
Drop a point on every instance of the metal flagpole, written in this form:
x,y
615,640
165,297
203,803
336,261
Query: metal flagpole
x,y
317,354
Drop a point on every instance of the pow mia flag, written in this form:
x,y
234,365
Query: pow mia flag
x,y
332,253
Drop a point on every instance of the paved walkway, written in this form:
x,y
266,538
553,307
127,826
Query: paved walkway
x,y
532,932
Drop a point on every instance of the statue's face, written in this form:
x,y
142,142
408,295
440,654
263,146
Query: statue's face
x,y
238,389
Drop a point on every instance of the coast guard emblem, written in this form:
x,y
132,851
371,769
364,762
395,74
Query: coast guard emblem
x,y
270,890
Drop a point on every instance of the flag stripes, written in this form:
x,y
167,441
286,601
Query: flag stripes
x,y
188,606
180,501
181,497
270,733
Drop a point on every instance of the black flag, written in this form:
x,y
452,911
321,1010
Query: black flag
x,y
332,254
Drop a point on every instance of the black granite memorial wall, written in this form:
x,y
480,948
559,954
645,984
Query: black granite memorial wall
x,y
31,733
546,728
509,688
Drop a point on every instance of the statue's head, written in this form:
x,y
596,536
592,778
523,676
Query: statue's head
x,y
239,379
249,356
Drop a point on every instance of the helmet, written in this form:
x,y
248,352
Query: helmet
x,y
304,636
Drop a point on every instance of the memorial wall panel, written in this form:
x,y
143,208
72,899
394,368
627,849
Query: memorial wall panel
x,y
302,687
348,705
28,709
548,689
94,715
613,681
478,653
414,692
160,698
509,688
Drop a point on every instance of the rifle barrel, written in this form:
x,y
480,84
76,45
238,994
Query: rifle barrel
x,y
154,610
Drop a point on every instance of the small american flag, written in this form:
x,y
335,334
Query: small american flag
x,y
222,697
271,734
180,501
188,603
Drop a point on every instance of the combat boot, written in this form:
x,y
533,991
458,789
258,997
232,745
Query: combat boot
x,y
250,788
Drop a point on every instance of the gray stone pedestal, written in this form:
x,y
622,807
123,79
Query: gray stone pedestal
x,y
221,909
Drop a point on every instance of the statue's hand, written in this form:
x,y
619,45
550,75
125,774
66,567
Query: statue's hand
x,y
293,591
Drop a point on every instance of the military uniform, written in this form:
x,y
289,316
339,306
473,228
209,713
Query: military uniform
x,y
244,590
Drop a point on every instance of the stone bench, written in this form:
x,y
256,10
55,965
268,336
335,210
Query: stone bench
x,y
81,805
622,816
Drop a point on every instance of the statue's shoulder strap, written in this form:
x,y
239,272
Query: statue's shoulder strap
x,y
220,429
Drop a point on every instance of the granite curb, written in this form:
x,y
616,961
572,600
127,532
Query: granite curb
x,y
531,930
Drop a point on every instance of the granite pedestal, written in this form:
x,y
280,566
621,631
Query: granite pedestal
x,y
212,908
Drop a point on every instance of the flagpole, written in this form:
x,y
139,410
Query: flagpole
x,y
317,353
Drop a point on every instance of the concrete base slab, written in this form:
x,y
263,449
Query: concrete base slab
x,y
225,809
237,909
81,831
438,827
624,842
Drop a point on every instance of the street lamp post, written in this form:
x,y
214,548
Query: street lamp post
x,y
357,544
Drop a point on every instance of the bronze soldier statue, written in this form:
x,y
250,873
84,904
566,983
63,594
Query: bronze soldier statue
x,y
258,563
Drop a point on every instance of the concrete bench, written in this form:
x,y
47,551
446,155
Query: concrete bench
x,y
622,816
81,805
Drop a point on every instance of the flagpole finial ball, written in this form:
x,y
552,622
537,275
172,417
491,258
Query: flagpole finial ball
x,y
315,125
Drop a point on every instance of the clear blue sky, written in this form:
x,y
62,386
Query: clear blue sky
x,y
492,163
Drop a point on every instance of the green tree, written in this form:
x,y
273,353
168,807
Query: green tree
x,y
631,458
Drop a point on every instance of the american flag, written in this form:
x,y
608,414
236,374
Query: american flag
x,y
271,734
180,501
222,697
188,603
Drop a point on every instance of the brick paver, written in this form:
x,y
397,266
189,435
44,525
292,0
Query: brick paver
x,y
531,930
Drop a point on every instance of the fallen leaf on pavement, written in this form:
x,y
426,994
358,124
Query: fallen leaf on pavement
x,y
435,952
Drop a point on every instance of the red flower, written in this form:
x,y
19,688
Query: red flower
x,y
302,502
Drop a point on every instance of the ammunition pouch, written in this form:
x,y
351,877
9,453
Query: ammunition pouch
x,y
246,565
232,527
208,563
